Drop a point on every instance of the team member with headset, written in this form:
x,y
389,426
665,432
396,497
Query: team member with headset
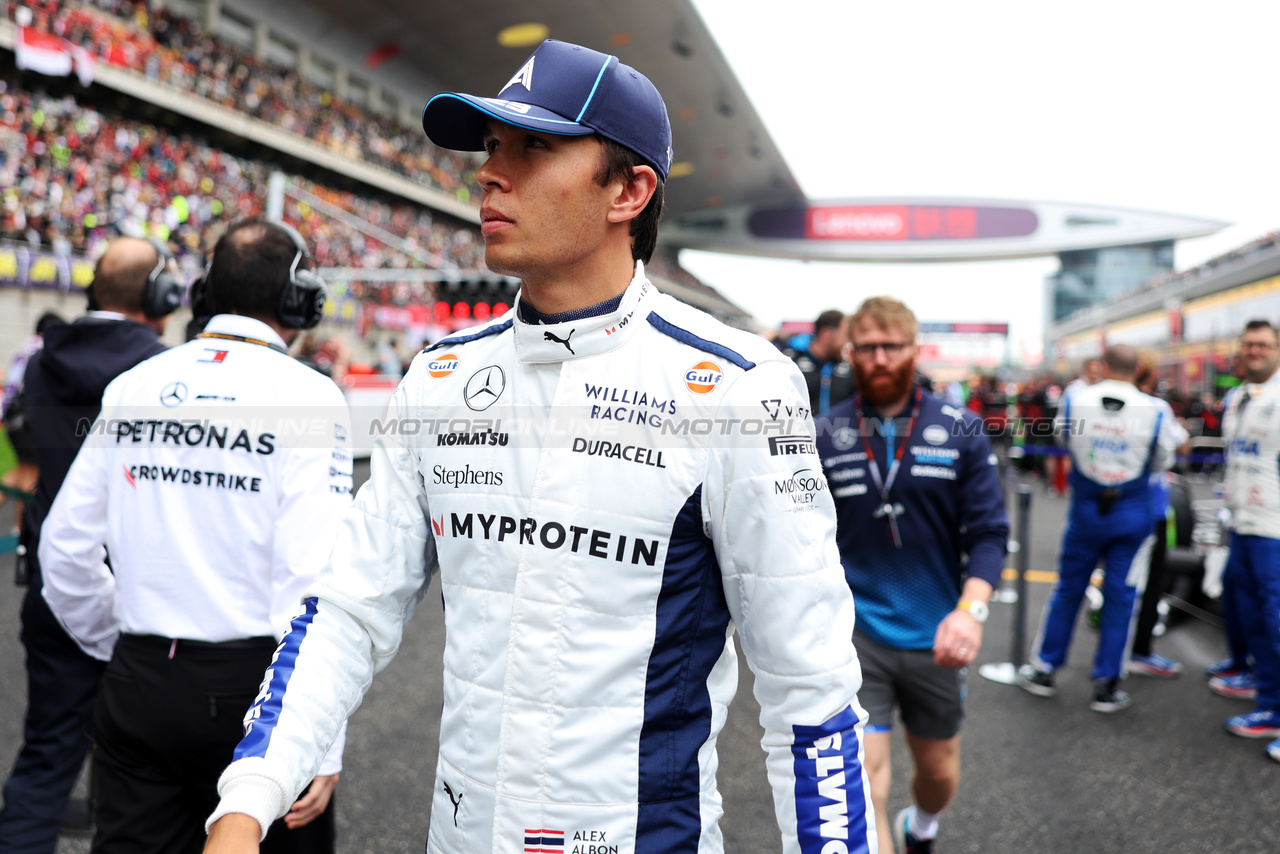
x,y
211,478
132,294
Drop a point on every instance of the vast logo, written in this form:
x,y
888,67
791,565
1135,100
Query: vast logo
x,y
784,446
442,366
484,388
552,536
703,377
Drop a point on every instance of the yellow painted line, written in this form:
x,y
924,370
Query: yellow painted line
x,y
1039,576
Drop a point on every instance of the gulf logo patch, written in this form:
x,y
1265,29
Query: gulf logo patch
x,y
703,377
442,366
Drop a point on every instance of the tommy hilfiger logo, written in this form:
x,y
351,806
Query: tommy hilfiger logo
x,y
524,76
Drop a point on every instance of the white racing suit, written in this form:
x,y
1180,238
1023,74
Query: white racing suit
x,y
607,499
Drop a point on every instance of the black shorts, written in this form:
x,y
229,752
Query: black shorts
x,y
929,698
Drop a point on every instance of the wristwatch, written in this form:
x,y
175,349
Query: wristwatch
x,y
978,610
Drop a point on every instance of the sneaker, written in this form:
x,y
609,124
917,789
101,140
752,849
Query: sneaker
x,y
1035,681
1226,668
1242,686
902,838
1260,723
1107,698
1155,664
1273,750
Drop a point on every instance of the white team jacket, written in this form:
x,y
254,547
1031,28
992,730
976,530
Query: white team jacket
x,y
214,476
607,499
1115,431
1251,433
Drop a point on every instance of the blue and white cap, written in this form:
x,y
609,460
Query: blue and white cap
x,y
562,89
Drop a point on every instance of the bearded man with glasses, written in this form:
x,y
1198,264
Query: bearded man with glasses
x,y
917,493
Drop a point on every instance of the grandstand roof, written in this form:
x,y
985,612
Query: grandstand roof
x,y
454,46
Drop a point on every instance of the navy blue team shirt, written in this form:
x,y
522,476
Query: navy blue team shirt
x,y
953,522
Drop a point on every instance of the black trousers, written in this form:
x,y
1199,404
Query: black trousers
x,y
167,721
61,685
1148,614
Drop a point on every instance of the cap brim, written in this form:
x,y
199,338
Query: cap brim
x,y
457,121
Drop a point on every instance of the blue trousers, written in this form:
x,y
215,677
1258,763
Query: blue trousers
x,y
1255,564
61,685
1090,536
1233,582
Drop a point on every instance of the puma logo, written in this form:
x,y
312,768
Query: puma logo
x,y
547,336
457,802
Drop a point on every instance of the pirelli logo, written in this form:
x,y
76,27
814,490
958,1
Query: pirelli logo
x,y
785,446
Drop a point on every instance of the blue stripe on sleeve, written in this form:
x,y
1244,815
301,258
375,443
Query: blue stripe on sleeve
x,y
830,804
260,721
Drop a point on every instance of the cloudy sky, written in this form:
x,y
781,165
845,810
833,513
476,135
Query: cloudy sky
x,y
1168,106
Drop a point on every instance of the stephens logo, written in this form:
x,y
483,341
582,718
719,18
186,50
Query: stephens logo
x,y
442,366
466,476
703,377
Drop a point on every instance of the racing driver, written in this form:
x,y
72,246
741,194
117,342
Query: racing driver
x,y
610,483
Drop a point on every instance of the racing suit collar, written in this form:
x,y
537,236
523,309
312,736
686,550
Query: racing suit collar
x,y
543,343
245,327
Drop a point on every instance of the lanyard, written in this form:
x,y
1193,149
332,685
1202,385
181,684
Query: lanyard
x,y
887,508
242,338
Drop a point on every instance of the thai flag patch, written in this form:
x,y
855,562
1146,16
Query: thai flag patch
x,y
543,841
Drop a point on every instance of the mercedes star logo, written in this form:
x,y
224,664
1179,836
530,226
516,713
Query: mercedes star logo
x,y
173,394
484,388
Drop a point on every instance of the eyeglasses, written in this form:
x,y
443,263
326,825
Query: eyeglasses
x,y
892,349
1256,345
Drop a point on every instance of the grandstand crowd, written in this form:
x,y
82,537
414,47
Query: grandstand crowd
x,y
75,177
173,49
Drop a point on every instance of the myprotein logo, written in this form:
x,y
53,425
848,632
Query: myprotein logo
x,y
442,366
703,377
465,476
785,446
550,535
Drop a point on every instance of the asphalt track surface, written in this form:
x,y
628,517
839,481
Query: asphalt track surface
x,y
1039,775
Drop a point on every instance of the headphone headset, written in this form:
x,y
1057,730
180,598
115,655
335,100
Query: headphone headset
x,y
161,295
302,299
163,292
